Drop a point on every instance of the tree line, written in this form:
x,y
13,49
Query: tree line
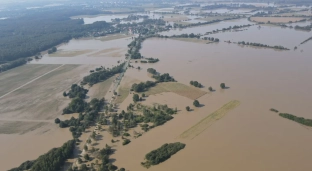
x,y
102,74
51,161
301,120
162,154
141,87
196,84
12,64
262,45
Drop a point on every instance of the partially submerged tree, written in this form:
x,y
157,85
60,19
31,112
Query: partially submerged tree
x,y
196,103
136,98
188,108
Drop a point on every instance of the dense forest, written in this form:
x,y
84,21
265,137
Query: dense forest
x,y
40,30
51,161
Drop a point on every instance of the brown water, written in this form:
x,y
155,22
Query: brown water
x,y
248,138
271,35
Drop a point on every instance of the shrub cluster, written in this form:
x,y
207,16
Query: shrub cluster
x,y
196,84
162,154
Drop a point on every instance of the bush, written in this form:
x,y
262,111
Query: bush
x,y
210,89
274,110
136,98
57,120
188,108
222,85
126,134
126,141
86,157
152,71
196,103
196,84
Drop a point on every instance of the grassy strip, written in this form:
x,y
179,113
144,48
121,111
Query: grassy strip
x,y
209,120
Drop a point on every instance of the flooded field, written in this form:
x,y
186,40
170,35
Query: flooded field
x,y
231,129
249,133
270,34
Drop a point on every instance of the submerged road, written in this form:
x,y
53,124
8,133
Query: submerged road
x,y
30,82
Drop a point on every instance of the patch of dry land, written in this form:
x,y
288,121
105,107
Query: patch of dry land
x,y
124,88
276,19
209,120
193,40
111,52
113,37
41,98
31,98
62,53
99,90
211,18
175,17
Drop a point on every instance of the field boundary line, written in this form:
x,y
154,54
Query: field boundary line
x,y
206,122
30,81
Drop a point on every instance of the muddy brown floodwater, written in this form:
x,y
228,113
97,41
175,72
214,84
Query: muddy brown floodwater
x,y
249,137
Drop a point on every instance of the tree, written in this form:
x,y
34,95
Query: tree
x,y
86,157
136,98
57,120
196,103
188,108
115,93
79,161
222,85
210,89
143,95
89,141
85,148
93,136
64,94
83,167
